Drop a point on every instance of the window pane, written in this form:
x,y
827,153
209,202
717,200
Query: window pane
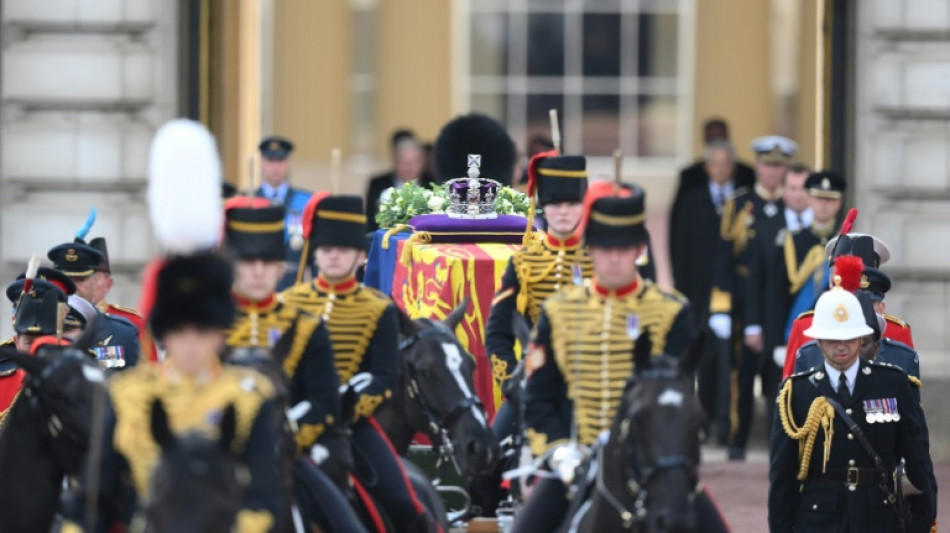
x,y
656,126
601,45
657,42
546,4
489,34
539,106
545,44
491,104
601,124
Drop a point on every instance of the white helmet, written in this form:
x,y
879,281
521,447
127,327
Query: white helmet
x,y
838,316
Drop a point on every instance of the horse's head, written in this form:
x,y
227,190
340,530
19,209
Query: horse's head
x,y
438,371
660,434
197,484
58,389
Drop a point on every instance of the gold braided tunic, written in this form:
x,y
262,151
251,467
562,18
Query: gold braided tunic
x,y
582,356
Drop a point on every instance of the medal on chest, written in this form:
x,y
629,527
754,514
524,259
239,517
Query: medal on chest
x,y
881,410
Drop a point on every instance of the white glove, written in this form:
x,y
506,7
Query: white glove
x,y
298,411
778,356
360,381
721,325
319,453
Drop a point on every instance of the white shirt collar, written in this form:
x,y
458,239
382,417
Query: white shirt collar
x,y
269,190
850,374
727,188
791,219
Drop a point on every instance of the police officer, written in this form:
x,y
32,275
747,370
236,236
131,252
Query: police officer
x,y
117,339
254,236
823,476
364,331
192,310
275,186
599,319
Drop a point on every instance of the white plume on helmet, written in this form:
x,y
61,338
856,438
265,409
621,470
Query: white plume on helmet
x,y
184,188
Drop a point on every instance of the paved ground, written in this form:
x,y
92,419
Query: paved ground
x,y
741,489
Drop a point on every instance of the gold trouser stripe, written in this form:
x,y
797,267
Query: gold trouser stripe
x,y
616,220
340,215
256,227
558,173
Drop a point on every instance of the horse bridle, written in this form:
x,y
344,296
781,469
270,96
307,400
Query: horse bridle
x,y
637,477
437,425
40,400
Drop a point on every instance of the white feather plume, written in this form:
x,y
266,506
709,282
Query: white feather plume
x,y
32,266
184,187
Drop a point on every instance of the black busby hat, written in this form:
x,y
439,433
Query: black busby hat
x,y
335,221
561,178
76,260
275,147
825,185
254,229
875,283
46,280
617,220
192,290
36,315
474,134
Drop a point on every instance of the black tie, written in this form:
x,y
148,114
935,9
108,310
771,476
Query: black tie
x,y
843,393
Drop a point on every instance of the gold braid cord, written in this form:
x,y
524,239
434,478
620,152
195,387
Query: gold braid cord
x,y
525,279
821,413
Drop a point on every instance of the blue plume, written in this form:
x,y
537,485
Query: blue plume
x,y
90,220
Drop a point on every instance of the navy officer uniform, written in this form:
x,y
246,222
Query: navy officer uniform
x,y
116,343
293,199
822,478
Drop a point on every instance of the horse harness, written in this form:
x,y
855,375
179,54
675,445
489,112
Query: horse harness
x,y
437,425
638,477
39,399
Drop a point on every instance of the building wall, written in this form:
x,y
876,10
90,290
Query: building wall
x,y
83,87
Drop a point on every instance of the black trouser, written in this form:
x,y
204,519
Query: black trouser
x,y
752,364
545,510
318,499
381,473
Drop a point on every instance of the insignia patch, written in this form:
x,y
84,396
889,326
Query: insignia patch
x,y
825,184
770,210
273,335
633,326
881,410
274,146
819,375
866,370
106,340
577,274
841,313
71,255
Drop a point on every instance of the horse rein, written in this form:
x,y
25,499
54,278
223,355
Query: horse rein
x,y
39,399
437,426
638,478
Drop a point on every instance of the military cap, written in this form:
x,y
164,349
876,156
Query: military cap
x,y
335,221
869,248
875,283
36,315
474,134
275,147
76,260
558,178
617,220
47,279
192,290
774,149
78,313
254,229
825,185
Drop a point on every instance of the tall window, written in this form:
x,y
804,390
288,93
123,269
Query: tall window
x,y
612,68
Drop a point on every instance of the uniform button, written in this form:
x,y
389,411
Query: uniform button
x,y
603,347
814,507
851,462
557,287
850,436
557,276
848,410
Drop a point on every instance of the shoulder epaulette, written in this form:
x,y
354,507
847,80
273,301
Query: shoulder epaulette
x,y
894,320
898,344
128,310
915,382
804,373
6,342
806,313
121,320
878,364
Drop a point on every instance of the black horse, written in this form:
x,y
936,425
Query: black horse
x,y
196,486
646,476
45,434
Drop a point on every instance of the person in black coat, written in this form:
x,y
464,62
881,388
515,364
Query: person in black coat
x,y
408,165
835,485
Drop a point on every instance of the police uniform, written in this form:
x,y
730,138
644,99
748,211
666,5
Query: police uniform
x,y
581,354
364,330
294,200
758,214
117,339
190,290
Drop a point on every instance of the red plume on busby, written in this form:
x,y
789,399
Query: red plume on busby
x,y
849,268
533,170
310,210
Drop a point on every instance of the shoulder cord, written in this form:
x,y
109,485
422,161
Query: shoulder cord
x,y
821,412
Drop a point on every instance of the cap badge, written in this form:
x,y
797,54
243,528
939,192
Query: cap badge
x,y
71,255
273,146
841,313
825,184
864,282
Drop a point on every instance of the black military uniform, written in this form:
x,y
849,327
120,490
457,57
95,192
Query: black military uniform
x,y
751,214
117,338
189,291
364,330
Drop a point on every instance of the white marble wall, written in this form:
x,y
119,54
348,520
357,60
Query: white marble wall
x,y
83,86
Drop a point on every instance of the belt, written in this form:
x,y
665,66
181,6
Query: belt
x,y
852,476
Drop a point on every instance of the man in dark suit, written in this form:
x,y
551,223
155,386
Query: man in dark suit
x,y
694,230
822,477
408,165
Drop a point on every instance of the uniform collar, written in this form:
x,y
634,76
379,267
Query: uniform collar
x,y
850,374
622,292
765,195
555,243
344,287
249,306
281,190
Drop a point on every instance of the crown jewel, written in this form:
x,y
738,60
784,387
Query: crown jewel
x,y
472,197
